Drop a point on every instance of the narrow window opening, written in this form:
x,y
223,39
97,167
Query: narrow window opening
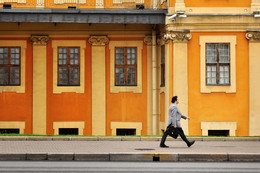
x,y
9,131
218,132
68,131
125,132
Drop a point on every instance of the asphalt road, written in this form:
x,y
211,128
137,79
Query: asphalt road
x,y
129,167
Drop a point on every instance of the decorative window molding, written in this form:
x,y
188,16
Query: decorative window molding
x,y
117,89
126,125
124,1
11,1
23,45
69,124
13,125
206,126
70,1
218,39
69,43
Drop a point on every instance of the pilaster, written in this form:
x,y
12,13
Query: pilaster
x,y
180,70
254,82
98,84
39,43
148,42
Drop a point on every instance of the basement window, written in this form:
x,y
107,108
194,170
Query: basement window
x,y
9,131
68,131
125,132
218,132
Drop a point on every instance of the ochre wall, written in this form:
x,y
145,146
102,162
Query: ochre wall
x,y
218,3
18,107
126,106
219,106
69,106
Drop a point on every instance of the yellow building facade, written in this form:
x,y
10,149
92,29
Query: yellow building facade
x,y
111,67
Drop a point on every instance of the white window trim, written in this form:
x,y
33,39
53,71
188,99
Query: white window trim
x,y
126,125
23,45
117,89
68,124
218,39
13,125
69,43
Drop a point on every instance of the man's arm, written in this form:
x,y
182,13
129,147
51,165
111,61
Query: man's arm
x,y
182,116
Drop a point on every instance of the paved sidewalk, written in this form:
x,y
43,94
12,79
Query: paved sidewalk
x,y
115,149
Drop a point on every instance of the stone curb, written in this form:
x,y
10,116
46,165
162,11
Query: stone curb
x,y
36,138
134,157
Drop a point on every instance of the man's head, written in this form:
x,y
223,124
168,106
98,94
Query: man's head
x,y
175,100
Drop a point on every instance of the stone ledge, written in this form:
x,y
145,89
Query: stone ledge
x,y
36,156
12,156
60,156
91,156
244,157
203,157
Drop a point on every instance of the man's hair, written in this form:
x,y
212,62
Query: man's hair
x,y
174,99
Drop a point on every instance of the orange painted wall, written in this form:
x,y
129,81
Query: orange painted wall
x,y
171,3
219,106
218,3
126,107
162,107
69,106
18,106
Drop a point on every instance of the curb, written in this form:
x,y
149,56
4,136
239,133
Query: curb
x,y
134,157
36,138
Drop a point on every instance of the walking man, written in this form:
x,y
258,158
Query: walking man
x,y
174,124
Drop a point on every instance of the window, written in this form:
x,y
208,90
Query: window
x,y
68,66
162,65
125,66
10,66
218,64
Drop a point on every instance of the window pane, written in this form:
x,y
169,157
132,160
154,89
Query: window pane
x,y
131,76
63,56
224,53
63,76
120,76
3,75
5,55
211,53
15,76
74,76
74,56
224,75
120,58
211,75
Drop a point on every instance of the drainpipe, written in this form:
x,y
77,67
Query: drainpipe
x,y
154,85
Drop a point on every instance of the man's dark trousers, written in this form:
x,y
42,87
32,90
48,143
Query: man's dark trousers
x,y
174,132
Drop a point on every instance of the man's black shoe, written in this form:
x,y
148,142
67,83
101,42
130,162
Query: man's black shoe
x,y
191,143
164,146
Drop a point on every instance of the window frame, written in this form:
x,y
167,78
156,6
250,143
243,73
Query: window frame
x,y
217,64
126,66
9,65
68,66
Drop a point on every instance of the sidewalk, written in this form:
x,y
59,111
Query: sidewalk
x,y
129,149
